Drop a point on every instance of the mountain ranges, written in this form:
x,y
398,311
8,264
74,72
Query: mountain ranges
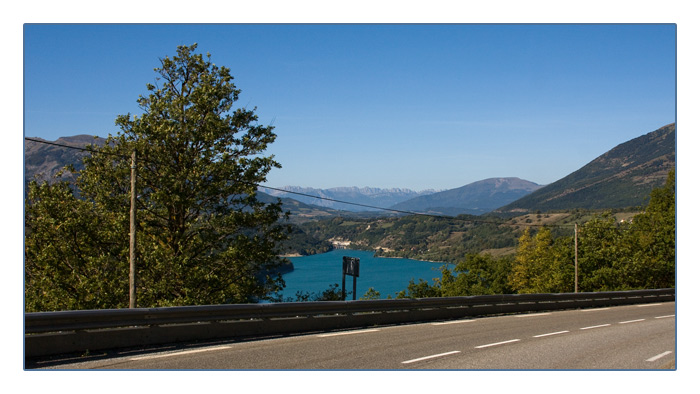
x,y
622,177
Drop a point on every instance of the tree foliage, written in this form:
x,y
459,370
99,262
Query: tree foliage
x,y
603,255
332,293
542,264
202,236
654,244
477,274
75,254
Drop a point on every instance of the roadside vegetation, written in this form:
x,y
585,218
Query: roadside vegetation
x,y
638,253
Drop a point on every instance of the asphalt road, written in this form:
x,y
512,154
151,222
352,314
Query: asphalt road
x,y
625,337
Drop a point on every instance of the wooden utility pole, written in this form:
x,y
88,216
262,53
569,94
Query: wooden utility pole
x,y
575,258
132,235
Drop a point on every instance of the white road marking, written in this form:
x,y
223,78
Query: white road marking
x,y
594,309
335,334
631,321
452,322
551,333
534,314
588,328
658,356
496,344
429,357
209,349
663,317
643,305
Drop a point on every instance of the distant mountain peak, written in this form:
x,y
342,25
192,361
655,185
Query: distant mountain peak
x,y
475,198
377,197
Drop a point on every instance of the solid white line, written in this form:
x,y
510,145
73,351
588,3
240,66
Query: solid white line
x,y
429,357
663,317
534,314
631,321
658,356
551,333
452,322
496,344
210,349
594,309
335,334
643,305
602,325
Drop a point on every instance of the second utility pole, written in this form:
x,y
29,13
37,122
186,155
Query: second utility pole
x,y
132,235
575,258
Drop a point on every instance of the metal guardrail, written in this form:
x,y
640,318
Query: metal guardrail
x,y
51,333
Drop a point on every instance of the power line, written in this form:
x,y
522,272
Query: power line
x,y
408,212
444,217
84,149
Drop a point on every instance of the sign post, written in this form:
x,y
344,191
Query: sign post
x,y
351,266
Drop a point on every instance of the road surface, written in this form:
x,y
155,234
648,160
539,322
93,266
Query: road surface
x,y
624,337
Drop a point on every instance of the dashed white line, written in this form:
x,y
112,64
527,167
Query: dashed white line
x,y
534,314
209,349
663,317
452,322
598,326
496,344
551,333
335,334
658,356
643,305
429,357
631,321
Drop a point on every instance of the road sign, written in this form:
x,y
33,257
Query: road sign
x,y
351,266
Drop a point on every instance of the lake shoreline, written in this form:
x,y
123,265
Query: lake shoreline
x,y
386,275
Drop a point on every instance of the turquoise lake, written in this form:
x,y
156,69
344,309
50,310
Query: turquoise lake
x,y
388,276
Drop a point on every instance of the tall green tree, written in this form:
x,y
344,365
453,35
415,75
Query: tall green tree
x,y
603,255
542,264
202,236
653,233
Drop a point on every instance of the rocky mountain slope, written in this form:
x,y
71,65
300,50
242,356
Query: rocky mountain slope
x,y
43,160
622,177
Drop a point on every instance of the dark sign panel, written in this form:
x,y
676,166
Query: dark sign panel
x,y
351,266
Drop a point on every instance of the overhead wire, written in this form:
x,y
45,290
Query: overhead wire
x,y
444,217
75,147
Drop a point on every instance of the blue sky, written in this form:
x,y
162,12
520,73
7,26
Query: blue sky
x,y
416,106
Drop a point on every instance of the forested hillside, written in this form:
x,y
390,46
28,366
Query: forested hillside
x,y
418,237
445,239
